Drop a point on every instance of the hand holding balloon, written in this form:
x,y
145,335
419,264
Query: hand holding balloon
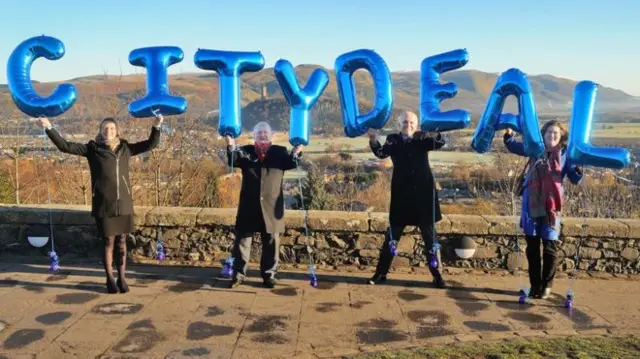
x,y
373,134
44,123
159,118
229,141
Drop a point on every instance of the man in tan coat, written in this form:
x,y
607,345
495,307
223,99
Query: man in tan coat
x,y
261,205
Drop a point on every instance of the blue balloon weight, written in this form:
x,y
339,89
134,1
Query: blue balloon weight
x,y
512,82
356,124
300,100
156,60
19,78
229,65
580,150
432,92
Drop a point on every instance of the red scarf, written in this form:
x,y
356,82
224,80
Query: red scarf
x,y
261,149
545,187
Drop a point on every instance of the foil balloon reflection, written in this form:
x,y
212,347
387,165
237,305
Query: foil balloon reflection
x,y
55,261
314,280
227,267
158,98
229,65
301,100
356,124
432,92
512,82
580,150
19,78
523,296
393,247
433,261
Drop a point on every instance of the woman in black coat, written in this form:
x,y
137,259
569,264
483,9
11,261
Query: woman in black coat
x,y
414,200
112,204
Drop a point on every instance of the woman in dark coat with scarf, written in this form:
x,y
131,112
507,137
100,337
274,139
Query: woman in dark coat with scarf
x,y
542,202
414,200
112,203
261,205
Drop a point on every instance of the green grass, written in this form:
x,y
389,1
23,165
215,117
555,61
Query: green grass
x,y
571,347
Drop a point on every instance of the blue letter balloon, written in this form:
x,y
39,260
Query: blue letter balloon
x,y
356,124
432,92
511,82
156,60
229,65
580,149
19,78
300,100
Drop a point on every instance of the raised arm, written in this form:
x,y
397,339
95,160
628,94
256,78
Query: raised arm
x,y
237,156
512,145
381,151
289,160
574,173
63,145
146,145
430,143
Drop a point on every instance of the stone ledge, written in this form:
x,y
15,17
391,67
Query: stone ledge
x,y
503,225
216,216
169,216
634,227
594,227
468,224
379,221
317,220
338,221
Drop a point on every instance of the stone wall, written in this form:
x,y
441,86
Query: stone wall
x,y
198,236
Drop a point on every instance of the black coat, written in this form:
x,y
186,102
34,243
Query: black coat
x,y
110,183
412,184
261,206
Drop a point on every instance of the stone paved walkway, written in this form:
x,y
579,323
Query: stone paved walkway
x,y
187,313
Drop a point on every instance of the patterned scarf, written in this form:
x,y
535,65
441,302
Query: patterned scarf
x,y
545,187
261,149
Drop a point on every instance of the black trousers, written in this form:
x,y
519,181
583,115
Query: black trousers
x,y
270,254
541,275
394,232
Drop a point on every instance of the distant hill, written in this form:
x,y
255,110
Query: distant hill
x,y
552,94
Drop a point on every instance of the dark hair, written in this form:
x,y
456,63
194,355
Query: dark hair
x,y
564,138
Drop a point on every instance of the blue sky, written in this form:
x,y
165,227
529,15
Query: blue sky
x,y
580,40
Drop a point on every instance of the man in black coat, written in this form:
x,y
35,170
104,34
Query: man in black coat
x,y
261,206
414,200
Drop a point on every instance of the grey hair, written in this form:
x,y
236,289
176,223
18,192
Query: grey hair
x,y
260,126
